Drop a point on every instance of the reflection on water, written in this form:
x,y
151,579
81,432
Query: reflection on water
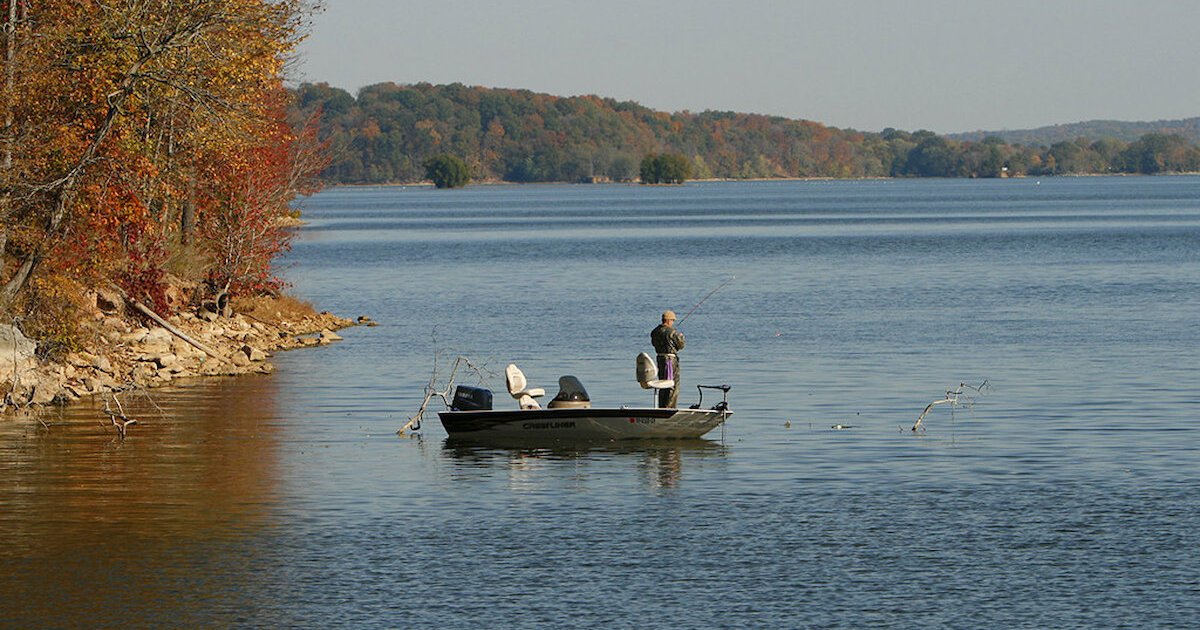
x,y
198,473
659,462
1067,498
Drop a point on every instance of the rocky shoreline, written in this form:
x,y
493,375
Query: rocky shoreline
x,y
132,352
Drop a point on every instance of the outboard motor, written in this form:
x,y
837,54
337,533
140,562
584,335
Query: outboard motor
x,y
467,398
571,395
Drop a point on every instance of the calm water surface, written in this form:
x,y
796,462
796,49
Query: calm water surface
x,y
1068,495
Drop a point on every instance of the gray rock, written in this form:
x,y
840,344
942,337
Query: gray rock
x,y
165,359
210,368
16,351
103,364
142,373
80,359
159,340
254,354
108,301
45,390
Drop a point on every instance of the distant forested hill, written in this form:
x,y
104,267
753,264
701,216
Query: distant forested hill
x,y
1188,128
386,132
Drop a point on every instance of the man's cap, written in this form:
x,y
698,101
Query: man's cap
x,y
668,314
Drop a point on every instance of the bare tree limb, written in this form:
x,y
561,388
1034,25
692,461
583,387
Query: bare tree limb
x,y
118,417
952,398
432,390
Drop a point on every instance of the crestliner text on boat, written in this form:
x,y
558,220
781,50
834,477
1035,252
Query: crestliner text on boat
x,y
570,415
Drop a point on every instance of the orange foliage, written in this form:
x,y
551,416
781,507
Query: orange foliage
x,y
126,114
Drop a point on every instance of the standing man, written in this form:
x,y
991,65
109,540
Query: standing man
x,y
667,343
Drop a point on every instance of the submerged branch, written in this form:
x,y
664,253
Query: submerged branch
x,y
954,397
118,417
432,389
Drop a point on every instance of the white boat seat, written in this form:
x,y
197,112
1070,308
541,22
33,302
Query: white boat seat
x,y
519,388
647,374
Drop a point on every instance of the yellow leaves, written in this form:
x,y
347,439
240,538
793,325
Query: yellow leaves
x,y
192,80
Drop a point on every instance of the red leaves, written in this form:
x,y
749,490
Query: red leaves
x,y
126,118
244,226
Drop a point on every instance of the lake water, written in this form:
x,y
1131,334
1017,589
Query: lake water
x,y
1066,495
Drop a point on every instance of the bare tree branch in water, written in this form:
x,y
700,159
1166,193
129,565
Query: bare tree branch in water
x,y
444,392
954,397
118,417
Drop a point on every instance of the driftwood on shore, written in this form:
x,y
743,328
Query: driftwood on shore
x,y
125,354
143,309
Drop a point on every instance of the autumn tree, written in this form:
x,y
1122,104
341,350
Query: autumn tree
x,y
1160,153
135,118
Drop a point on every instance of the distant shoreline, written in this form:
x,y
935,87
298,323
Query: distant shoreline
x,y
717,180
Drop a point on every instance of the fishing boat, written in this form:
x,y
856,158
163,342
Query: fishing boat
x,y
571,416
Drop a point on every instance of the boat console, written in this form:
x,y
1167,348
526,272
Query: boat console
x,y
571,395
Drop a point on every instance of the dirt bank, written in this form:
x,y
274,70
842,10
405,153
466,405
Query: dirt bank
x,y
128,350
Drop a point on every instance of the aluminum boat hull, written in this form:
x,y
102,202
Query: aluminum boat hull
x,y
583,423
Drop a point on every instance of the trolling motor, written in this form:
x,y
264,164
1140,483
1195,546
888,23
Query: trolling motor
x,y
721,406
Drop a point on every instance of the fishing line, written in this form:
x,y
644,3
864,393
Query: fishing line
x,y
702,301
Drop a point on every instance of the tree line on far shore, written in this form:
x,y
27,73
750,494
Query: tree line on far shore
x,y
387,132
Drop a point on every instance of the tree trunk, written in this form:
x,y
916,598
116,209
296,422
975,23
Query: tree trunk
x,y
10,70
187,218
9,292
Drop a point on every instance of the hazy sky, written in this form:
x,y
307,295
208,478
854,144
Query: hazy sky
x,y
941,65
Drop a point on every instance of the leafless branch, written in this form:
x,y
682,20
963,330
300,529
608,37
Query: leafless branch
x,y
954,397
118,417
443,392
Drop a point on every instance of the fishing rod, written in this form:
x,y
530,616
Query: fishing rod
x,y
710,294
